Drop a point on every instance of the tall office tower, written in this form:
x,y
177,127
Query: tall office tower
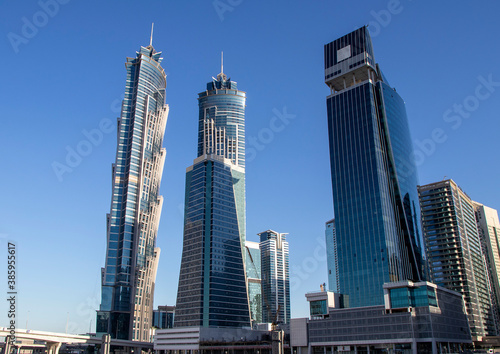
x,y
254,280
332,258
454,250
212,283
489,234
128,278
377,215
275,277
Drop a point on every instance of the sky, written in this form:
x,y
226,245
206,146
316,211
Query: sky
x,y
63,78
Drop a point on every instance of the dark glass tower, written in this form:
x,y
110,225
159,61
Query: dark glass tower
x,y
212,283
377,215
128,277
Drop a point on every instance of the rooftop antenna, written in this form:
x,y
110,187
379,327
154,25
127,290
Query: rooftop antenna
x,y
221,76
151,39
222,62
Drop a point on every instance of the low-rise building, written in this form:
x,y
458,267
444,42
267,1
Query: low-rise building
x,y
201,340
163,317
418,317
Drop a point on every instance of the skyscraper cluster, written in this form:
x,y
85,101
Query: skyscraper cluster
x,y
216,287
388,238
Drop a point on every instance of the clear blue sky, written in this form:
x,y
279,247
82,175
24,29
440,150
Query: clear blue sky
x,y
66,75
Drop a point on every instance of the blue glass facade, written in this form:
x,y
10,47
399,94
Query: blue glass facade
x,y
253,269
212,283
221,126
131,255
377,216
318,308
405,179
412,297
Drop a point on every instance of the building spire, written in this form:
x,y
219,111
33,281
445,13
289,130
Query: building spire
x,y
221,76
222,62
151,39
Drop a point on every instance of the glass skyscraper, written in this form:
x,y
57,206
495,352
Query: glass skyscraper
x,y
374,180
212,283
128,278
275,277
253,266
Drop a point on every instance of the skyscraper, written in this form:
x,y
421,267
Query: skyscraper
x,y
332,258
128,278
488,226
377,215
253,266
275,277
212,283
454,249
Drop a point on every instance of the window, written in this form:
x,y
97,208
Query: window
x,y
318,307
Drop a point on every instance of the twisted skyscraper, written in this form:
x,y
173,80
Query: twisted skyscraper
x,y
128,278
212,283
